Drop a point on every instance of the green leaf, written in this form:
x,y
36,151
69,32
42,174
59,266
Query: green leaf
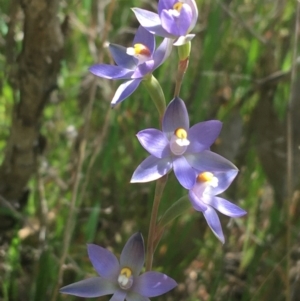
x,y
46,270
92,224
178,208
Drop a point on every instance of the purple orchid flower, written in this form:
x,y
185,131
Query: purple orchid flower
x,y
133,63
203,198
179,147
121,279
175,19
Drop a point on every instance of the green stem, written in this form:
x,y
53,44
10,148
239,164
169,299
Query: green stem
x,y
183,54
160,185
182,67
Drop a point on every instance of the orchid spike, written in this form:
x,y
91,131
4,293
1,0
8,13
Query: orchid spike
x,y
179,147
175,19
133,63
203,198
121,279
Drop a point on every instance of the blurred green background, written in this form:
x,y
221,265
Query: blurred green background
x,y
239,73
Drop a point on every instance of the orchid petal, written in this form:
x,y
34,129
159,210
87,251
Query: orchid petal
x,y
202,135
132,296
150,21
176,116
185,174
177,25
226,207
133,254
152,284
111,71
193,5
119,295
144,37
151,169
224,180
214,223
143,69
209,161
90,288
104,262
196,202
155,142
162,52
125,90
121,58
165,4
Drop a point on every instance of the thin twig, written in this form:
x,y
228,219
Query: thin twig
x,y
43,210
290,143
72,209
97,150
240,20
105,127
16,213
271,273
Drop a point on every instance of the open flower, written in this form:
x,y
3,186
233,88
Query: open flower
x,y
121,279
175,19
179,147
203,198
133,63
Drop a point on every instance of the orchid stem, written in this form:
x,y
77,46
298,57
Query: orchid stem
x,y
182,67
290,155
160,186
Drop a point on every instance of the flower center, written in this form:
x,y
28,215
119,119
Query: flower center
x,y
125,278
139,51
209,178
179,142
177,6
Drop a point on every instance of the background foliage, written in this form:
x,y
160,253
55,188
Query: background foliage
x,y
240,71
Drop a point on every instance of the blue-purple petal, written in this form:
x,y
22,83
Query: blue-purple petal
x,y
165,4
144,37
194,8
152,284
150,21
151,169
202,135
90,288
176,116
196,201
143,69
226,207
185,174
104,262
213,222
162,52
209,161
133,254
119,295
224,180
179,25
155,142
121,58
111,71
125,90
